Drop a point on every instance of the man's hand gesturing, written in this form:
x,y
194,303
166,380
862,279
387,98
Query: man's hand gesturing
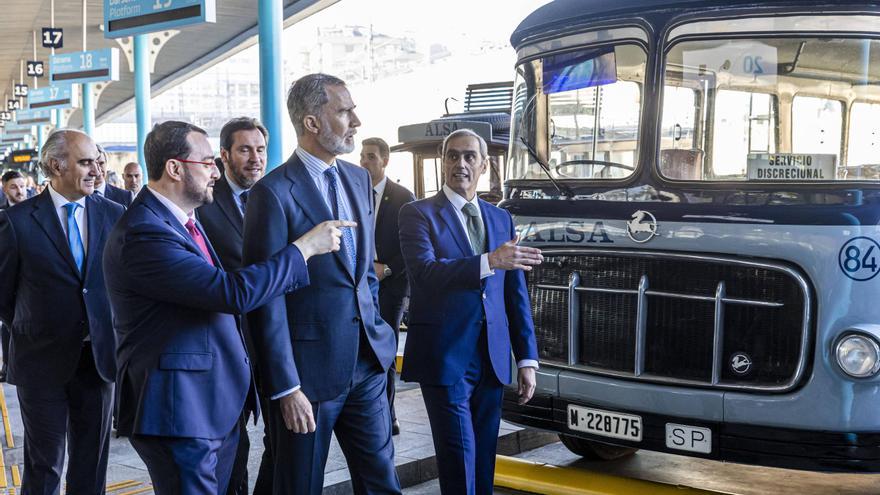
x,y
512,256
323,238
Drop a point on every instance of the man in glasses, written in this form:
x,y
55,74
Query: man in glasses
x,y
53,298
185,377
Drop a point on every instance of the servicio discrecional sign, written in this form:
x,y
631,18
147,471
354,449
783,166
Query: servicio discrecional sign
x,y
85,67
791,166
52,97
130,17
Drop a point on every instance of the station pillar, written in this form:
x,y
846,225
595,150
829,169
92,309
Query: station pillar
x,y
88,107
271,22
142,96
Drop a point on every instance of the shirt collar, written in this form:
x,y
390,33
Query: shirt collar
x,y
175,210
458,200
314,165
102,189
380,187
236,190
59,201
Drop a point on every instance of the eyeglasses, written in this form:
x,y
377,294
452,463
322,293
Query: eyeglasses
x,y
208,164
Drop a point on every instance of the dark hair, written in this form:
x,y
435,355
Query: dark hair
x,y
227,134
167,141
384,150
12,174
307,96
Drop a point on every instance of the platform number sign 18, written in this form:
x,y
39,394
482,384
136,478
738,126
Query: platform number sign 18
x,y
35,68
859,258
53,37
21,90
12,105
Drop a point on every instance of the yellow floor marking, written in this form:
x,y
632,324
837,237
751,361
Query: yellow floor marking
x,y
122,484
16,477
139,490
10,443
3,482
12,491
398,363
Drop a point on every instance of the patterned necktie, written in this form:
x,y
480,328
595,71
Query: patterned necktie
x,y
199,239
243,197
335,201
74,239
475,231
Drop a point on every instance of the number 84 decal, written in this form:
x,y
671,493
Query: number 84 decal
x,y
858,258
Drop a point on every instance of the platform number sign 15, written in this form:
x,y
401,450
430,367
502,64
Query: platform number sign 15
x,y
858,258
53,37
21,90
35,68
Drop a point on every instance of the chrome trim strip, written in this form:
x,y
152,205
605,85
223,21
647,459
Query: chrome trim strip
x,y
641,326
574,318
796,275
606,291
718,333
552,287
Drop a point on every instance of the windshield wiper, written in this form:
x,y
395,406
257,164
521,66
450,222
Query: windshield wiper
x,y
562,188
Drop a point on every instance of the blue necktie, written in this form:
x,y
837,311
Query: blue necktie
x,y
336,203
74,239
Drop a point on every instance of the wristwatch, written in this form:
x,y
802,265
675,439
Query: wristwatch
x,y
386,272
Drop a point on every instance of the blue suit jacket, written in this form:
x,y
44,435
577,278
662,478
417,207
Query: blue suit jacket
x,y
183,369
310,338
450,305
118,195
48,305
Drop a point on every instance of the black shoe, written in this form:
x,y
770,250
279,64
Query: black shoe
x,y
395,427
3,373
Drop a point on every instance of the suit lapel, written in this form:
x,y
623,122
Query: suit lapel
x,y
154,204
95,221
354,186
491,223
47,219
223,197
448,214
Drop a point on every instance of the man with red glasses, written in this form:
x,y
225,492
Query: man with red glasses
x,y
184,376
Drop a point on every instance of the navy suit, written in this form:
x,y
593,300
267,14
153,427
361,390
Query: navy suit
x,y
461,330
184,374
393,290
327,339
118,195
51,308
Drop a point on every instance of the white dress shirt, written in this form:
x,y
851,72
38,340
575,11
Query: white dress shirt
x,y
178,213
80,215
236,193
102,189
458,201
378,192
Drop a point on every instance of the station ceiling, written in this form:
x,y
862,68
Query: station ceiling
x,y
195,48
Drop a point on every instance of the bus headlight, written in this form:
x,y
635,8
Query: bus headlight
x,y
858,355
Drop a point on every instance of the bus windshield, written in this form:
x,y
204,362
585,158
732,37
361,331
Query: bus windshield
x,y
770,109
584,107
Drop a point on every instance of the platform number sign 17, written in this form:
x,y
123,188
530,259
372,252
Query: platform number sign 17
x,y
35,68
53,37
859,258
21,90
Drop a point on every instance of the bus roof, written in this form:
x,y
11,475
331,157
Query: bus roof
x,y
564,14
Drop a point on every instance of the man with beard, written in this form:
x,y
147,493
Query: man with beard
x,y
14,192
243,154
184,375
322,352
104,188
52,296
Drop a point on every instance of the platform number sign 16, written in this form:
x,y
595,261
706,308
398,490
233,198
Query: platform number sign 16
x,y
859,258
35,68
53,37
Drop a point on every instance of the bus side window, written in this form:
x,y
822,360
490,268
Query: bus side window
x,y
680,154
744,123
863,150
816,126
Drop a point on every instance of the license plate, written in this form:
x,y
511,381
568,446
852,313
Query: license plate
x,y
605,423
690,438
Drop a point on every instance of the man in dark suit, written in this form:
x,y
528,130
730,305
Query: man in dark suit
x,y
388,197
52,296
14,188
469,306
106,189
243,153
184,375
131,177
322,352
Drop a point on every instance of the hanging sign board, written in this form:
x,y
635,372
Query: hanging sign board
x,y
13,105
129,17
18,129
33,117
85,67
6,116
52,97
35,68
21,90
24,156
53,37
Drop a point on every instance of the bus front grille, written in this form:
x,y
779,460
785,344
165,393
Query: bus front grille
x,y
673,318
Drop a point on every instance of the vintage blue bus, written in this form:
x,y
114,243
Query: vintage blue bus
x,y
702,177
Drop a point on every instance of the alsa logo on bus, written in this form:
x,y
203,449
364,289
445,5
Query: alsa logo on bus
x,y
641,228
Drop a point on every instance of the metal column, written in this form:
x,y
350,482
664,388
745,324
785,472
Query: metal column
x,y
270,19
142,95
88,104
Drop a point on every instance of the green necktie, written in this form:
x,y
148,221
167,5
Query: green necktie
x,y
475,231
